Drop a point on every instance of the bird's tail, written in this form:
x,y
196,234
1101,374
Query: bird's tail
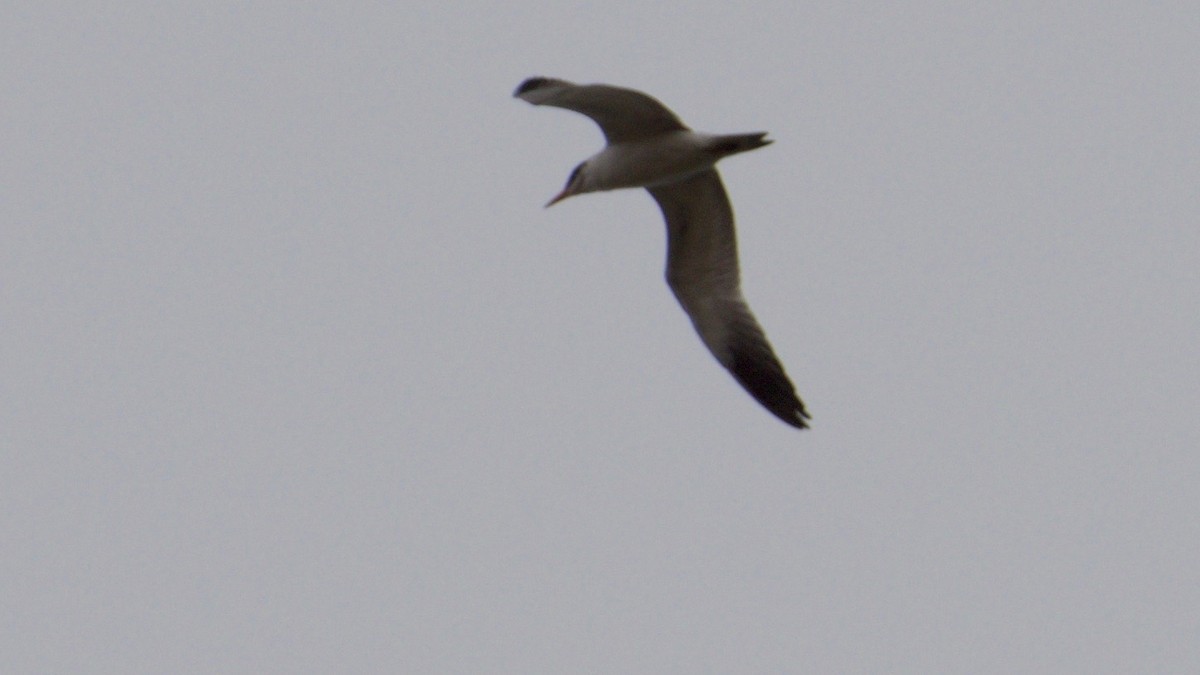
x,y
731,144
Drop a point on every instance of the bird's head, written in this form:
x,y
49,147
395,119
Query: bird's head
x,y
575,185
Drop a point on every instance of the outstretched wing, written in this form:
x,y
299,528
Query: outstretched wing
x,y
623,114
702,271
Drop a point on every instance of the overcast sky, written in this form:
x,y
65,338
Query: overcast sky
x,y
298,376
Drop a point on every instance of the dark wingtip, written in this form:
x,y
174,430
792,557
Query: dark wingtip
x,y
797,417
763,376
530,84
802,417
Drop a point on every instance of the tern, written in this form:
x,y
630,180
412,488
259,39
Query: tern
x,y
649,147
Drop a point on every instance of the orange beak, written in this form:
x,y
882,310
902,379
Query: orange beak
x,y
566,192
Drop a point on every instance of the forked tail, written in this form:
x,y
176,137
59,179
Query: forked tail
x,y
731,144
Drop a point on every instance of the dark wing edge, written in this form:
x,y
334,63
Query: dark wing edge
x,y
754,365
702,271
622,114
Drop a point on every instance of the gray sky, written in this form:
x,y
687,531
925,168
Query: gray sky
x,y
298,376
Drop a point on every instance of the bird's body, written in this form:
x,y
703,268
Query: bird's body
x,y
658,160
649,147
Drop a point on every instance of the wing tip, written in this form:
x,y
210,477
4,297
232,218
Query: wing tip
x,y
799,417
796,417
529,89
530,83
761,374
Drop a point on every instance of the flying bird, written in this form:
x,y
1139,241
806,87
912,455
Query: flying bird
x,y
648,146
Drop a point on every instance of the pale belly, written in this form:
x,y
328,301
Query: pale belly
x,y
663,159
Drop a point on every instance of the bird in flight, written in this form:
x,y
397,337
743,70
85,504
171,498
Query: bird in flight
x,y
648,146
